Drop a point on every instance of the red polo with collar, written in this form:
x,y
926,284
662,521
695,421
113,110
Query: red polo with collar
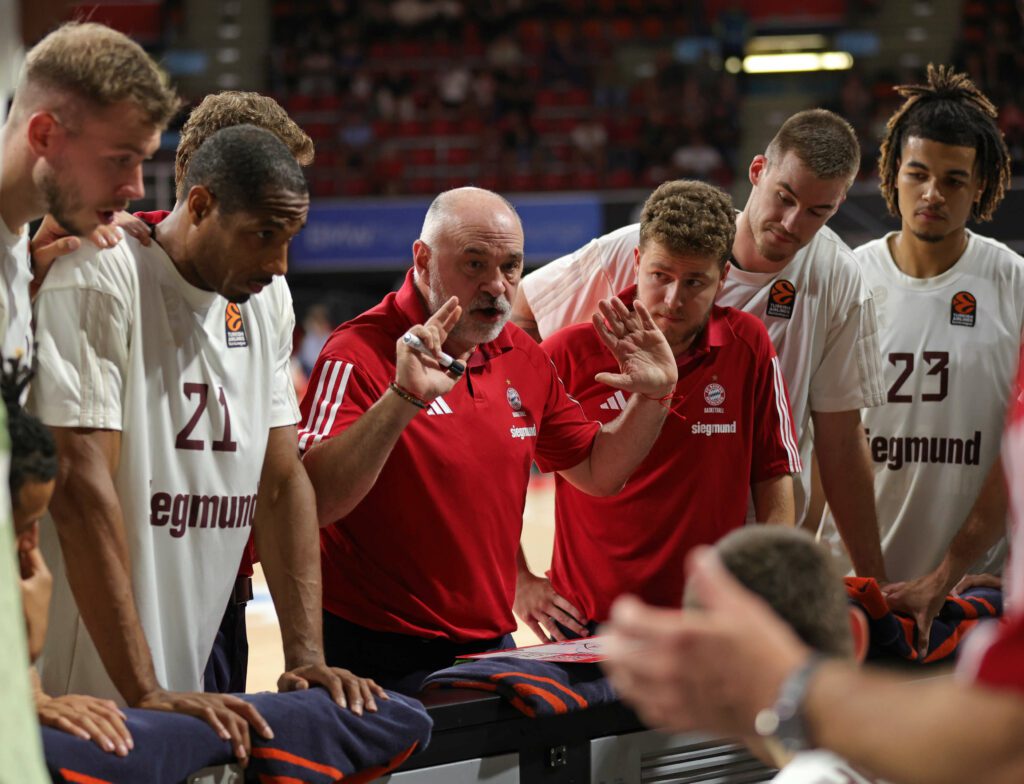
x,y
730,426
430,551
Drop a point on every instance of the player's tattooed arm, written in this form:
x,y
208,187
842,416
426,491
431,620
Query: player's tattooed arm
x,y
288,540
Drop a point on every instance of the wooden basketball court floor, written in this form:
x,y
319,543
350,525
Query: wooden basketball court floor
x,y
265,658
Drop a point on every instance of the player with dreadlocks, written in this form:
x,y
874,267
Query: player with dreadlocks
x,y
950,312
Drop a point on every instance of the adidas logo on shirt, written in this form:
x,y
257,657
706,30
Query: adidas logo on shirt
x,y
616,402
438,407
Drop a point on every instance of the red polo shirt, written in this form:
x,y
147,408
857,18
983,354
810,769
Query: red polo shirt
x,y
732,426
430,551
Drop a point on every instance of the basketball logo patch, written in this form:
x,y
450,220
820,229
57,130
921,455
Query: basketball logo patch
x,y
234,327
963,309
512,396
714,394
781,299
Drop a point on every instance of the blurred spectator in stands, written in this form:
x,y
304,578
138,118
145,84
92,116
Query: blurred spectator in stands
x,y
453,85
696,159
317,327
590,144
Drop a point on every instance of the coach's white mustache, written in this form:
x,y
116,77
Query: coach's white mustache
x,y
485,302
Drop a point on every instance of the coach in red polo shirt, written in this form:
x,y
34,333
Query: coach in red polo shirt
x,y
730,435
421,473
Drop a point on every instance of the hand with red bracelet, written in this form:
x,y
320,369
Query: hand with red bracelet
x,y
419,374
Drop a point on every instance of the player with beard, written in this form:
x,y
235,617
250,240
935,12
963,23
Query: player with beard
x,y
421,473
731,432
88,109
164,375
796,275
951,314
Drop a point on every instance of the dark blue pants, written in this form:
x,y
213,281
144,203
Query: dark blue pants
x,y
229,660
399,662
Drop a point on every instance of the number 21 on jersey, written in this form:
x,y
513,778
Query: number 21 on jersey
x,y
184,439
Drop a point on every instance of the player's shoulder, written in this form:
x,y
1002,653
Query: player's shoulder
x,y
827,255
987,249
574,337
109,270
275,299
626,237
748,329
873,251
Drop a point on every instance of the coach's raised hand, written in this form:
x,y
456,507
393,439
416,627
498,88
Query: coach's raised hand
x,y
420,372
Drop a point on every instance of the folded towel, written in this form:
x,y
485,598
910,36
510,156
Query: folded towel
x,y
314,741
895,635
532,687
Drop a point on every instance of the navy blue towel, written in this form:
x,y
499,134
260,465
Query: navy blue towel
x,y
536,688
315,741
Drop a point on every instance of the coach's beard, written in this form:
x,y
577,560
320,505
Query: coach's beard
x,y
467,330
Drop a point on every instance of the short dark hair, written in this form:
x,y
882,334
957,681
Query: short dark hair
x,y
798,579
233,107
33,450
240,165
689,217
948,109
823,141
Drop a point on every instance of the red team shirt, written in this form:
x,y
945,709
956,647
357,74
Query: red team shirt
x,y
732,426
430,551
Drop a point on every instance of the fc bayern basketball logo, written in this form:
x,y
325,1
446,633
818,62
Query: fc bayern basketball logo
x,y
234,327
512,396
781,299
963,309
714,394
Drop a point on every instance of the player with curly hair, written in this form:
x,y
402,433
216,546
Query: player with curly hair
x,y
951,313
730,434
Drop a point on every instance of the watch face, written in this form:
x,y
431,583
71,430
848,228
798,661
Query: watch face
x,y
766,723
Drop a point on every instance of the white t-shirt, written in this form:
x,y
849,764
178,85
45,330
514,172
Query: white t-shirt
x,y
950,346
194,384
818,312
822,767
15,302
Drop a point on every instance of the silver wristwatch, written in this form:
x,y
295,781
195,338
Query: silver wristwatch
x,y
783,722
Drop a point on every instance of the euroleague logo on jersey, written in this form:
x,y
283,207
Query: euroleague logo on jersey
x,y
781,299
234,327
963,309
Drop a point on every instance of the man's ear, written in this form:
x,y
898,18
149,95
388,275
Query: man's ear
x,y
636,263
757,168
859,630
201,204
421,260
44,133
